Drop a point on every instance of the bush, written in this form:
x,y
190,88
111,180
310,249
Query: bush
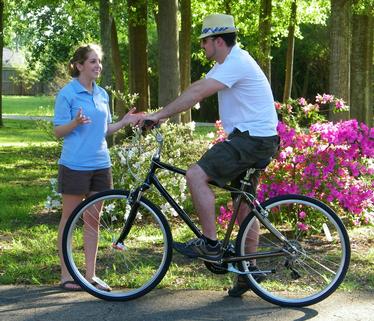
x,y
131,162
331,162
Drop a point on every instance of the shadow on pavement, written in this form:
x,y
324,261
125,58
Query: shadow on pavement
x,y
51,303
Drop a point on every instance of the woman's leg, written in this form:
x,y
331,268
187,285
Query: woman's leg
x,y
69,203
91,234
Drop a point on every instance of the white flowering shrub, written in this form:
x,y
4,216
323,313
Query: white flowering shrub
x,y
54,199
132,158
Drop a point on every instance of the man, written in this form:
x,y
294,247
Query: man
x,y
247,112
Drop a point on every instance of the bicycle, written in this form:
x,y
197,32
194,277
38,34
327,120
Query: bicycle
x,y
296,265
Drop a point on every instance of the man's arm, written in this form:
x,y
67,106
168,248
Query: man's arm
x,y
191,96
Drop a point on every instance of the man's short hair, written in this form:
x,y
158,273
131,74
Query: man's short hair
x,y
228,38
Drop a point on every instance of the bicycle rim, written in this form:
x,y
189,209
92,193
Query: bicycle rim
x,y
321,251
131,269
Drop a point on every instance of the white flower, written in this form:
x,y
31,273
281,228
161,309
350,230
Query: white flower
x,y
109,208
56,203
173,212
191,125
210,135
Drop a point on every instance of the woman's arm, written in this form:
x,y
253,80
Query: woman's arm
x,y
80,119
129,118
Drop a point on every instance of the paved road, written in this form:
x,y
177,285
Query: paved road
x,y
51,304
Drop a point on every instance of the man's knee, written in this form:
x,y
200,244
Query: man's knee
x,y
195,174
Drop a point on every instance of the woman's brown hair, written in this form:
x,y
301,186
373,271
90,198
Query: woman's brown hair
x,y
80,56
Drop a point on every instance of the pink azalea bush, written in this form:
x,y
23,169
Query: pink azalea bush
x,y
331,162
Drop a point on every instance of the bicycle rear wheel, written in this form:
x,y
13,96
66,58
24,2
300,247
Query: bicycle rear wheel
x,y
321,251
131,269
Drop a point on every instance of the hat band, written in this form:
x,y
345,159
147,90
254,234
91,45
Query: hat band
x,y
218,30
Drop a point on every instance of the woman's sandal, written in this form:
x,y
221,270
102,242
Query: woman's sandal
x,y
100,284
64,285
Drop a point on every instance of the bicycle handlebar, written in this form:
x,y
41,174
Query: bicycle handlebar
x,y
148,124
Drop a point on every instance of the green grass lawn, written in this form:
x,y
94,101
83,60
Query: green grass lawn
x,y
28,232
28,105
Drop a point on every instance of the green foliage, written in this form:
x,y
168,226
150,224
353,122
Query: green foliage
x,y
363,7
49,31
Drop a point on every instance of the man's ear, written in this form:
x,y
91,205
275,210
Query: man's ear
x,y
219,41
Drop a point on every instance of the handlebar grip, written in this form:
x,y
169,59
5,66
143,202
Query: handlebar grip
x,y
148,124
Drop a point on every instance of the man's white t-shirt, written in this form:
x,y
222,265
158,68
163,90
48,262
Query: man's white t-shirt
x,y
247,103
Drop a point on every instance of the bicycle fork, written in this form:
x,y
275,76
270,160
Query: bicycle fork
x,y
134,198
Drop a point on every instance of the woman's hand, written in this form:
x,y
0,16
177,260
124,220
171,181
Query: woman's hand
x,y
80,118
132,118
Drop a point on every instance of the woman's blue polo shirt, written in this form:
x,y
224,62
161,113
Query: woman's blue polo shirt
x,y
85,147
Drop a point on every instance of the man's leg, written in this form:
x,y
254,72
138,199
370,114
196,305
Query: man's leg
x,y
203,199
204,202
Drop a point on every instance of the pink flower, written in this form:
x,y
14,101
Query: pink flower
x,y
302,227
339,104
302,101
324,99
302,215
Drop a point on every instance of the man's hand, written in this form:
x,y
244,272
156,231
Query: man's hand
x,y
132,118
149,121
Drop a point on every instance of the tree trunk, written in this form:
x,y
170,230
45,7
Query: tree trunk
x,y
119,105
362,69
185,51
264,33
169,79
290,53
1,60
138,56
339,81
105,40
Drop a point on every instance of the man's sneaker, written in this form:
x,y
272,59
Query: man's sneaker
x,y
241,284
198,248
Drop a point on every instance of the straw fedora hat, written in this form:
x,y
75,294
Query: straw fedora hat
x,y
216,24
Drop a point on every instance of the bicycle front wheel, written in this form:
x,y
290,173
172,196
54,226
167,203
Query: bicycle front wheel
x,y
132,268
311,268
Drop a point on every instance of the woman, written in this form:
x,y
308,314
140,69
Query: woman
x,y
83,119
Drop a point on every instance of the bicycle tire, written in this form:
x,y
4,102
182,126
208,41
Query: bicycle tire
x,y
321,259
131,270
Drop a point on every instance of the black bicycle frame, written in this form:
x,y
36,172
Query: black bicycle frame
x,y
152,179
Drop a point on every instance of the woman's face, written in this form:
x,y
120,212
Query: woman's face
x,y
91,67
